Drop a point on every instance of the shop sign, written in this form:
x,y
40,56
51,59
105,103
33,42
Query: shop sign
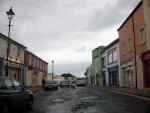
x,y
12,64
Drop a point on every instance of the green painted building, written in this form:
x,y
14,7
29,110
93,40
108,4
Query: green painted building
x,y
97,66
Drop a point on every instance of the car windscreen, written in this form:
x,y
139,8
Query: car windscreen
x,y
51,82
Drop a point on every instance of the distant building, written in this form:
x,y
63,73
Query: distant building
x,y
36,69
15,62
88,75
57,78
97,76
69,77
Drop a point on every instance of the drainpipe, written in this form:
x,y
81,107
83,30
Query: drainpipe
x,y
134,53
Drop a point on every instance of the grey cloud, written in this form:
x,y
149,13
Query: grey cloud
x,y
52,26
81,49
112,14
77,69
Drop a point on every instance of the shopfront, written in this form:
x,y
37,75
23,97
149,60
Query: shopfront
x,y
14,69
113,76
146,66
128,76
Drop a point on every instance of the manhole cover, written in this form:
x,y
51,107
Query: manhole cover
x,y
89,98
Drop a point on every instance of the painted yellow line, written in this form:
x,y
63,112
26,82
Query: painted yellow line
x,y
132,95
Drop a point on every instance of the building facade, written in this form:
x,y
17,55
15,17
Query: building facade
x,y
88,74
134,45
111,64
146,54
13,65
97,66
35,69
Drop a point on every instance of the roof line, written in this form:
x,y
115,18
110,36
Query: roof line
x,y
111,44
139,4
35,55
11,40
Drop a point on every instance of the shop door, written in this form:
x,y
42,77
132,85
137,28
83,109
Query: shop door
x,y
114,78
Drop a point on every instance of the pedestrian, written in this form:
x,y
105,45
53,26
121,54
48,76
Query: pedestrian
x,y
73,85
43,82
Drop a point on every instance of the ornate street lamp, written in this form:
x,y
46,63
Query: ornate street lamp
x,y
10,15
52,68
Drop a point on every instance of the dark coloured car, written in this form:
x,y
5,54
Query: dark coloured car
x,y
64,84
51,85
13,95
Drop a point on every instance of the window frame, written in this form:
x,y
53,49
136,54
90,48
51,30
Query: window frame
x,y
130,44
142,39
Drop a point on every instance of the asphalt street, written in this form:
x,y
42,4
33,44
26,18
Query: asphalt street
x,y
85,100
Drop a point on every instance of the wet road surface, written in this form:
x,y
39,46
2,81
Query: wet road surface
x,y
86,100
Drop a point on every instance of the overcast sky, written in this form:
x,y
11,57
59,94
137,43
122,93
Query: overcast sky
x,y
65,31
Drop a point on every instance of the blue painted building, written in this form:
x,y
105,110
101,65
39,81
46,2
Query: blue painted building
x,y
111,64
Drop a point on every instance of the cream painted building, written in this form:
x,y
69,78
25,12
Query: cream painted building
x,y
15,62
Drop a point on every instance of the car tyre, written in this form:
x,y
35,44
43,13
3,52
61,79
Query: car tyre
x,y
30,104
5,108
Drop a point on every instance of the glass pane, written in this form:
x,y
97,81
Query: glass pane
x,y
17,84
8,84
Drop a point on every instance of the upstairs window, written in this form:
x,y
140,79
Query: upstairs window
x,y
129,44
142,36
112,56
30,60
18,52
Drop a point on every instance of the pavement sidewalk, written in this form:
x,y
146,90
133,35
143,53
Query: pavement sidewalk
x,y
35,89
138,92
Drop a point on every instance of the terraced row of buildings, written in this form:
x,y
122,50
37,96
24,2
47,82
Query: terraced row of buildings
x,y
125,62
19,63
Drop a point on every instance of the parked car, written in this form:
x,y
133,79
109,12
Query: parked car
x,y
64,84
81,83
51,85
13,95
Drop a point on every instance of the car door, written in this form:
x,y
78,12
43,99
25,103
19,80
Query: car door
x,y
11,93
21,93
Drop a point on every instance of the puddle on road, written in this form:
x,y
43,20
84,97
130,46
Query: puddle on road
x,y
89,98
57,100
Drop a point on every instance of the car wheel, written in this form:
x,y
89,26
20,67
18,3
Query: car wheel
x,y
30,104
5,108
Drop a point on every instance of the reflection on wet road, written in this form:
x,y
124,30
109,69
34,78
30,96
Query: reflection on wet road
x,y
85,100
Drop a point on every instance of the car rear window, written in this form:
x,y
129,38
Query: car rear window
x,y
51,82
8,84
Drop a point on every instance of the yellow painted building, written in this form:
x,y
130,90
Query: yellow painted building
x,y
12,62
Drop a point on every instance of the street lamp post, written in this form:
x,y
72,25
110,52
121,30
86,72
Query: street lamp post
x,y
10,15
52,68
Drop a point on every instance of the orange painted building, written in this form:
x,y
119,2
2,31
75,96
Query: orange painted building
x,y
133,44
